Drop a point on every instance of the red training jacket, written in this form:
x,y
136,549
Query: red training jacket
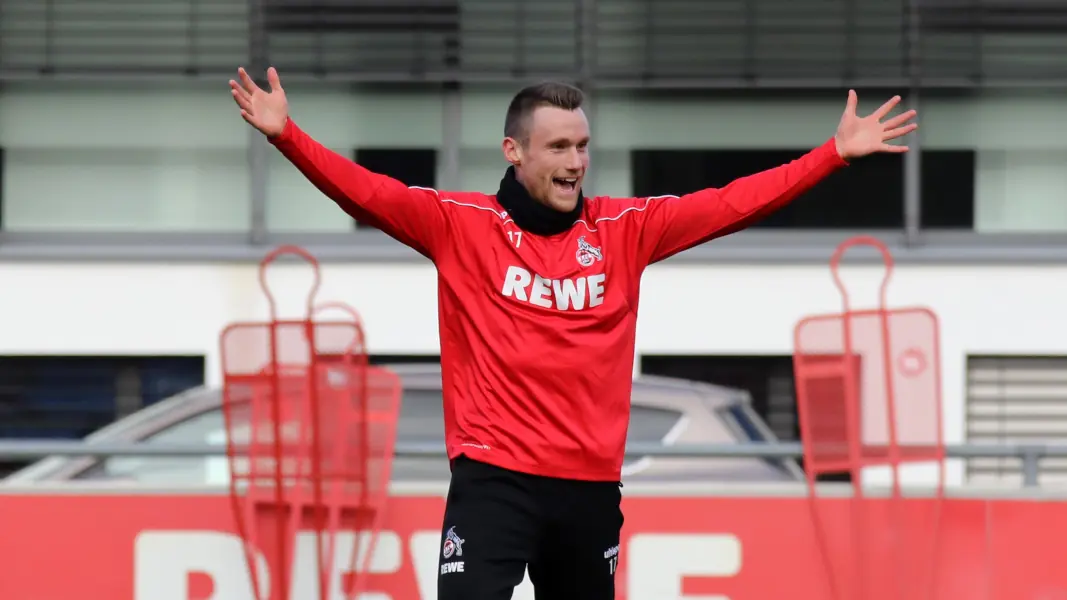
x,y
537,333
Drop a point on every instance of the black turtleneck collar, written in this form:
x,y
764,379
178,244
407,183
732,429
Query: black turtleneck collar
x,y
529,214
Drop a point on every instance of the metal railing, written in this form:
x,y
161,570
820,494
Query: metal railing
x,y
607,43
1029,454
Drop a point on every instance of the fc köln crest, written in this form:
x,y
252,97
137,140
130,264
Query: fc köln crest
x,y
453,544
587,253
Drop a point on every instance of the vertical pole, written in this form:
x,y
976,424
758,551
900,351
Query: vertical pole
x,y
452,119
913,159
913,181
257,150
451,137
258,172
1031,457
585,41
585,56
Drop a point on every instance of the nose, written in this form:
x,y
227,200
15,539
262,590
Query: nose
x,y
574,160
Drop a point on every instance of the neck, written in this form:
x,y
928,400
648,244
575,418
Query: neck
x,y
530,214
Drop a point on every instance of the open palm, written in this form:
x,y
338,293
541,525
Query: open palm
x,y
859,136
266,111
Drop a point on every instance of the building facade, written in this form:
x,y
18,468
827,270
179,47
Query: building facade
x,y
133,210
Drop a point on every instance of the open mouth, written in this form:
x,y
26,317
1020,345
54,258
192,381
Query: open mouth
x,y
566,185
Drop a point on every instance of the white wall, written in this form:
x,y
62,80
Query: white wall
x,y
131,309
168,159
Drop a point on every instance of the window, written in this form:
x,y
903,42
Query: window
x,y
73,188
308,16
867,195
416,166
1020,400
207,427
767,379
404,359
948,189
69,397
327,36
420,422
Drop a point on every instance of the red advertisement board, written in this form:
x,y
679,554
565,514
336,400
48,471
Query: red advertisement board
x,y
183,547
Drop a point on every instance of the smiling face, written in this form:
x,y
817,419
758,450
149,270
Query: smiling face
x,y
551,164
547,140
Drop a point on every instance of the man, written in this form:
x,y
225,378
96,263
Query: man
x,y
538,294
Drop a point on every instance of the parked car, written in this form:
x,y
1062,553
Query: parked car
x,y
664,411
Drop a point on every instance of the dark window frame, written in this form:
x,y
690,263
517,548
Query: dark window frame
x,y
380,159
757,374
868,195
35,400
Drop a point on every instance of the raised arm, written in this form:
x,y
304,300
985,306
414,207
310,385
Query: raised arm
x,y
671,224
414,216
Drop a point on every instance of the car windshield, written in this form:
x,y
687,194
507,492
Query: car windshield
x,y
421,422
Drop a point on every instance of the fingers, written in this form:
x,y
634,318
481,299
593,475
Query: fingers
x,y
238,90
899,120
893,134
884,109
273,79
246,81
850,104
894,149
241,97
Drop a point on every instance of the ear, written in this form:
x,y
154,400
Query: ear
x,y
512,151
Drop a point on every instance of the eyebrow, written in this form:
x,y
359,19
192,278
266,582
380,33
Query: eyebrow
x,y
562,140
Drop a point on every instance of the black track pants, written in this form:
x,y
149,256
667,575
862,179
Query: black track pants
x,y
497,522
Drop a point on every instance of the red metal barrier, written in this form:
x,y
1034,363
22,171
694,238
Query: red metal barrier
x,y
869,395
310,438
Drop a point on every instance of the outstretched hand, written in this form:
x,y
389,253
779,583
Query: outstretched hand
x,y
266,111
859,136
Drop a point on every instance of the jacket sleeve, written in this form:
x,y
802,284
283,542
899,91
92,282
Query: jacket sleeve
x,y
671,224
414,216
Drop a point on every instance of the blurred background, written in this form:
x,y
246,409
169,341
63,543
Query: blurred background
x,y
135,203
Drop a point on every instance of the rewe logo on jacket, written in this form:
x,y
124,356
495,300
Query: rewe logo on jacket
x,y
578,293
